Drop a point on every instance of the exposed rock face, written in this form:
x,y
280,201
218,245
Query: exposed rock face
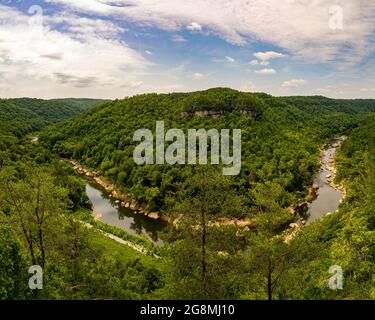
x,y
218,113
133,205
154,215
214,114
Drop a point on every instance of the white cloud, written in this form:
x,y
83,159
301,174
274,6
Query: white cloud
x,y
300,27
86,57
265,56
194,26
266,71
230,59
294,83
198,76
148,52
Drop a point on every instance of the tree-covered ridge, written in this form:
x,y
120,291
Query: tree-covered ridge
x,y
280,145
25,115
345,238
199,259
320,103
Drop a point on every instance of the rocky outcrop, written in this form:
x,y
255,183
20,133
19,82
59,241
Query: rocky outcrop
x,y
154,215
203,113
122,199
218,113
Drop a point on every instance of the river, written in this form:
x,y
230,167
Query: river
x,y
107,211
328,198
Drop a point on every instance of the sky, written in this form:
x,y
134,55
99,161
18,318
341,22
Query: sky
x,y
113,49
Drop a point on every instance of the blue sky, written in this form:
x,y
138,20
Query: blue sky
x,y
112,49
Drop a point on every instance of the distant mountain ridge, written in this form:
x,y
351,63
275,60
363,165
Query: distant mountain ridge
x,y
24,115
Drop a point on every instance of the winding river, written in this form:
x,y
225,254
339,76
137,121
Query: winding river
x,y
328,197
107,211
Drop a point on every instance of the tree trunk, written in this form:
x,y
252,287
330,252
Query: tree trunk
x,y
41,244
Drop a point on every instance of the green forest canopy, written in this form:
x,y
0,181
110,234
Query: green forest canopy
x,y
281,137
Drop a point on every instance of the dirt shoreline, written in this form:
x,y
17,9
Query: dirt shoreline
x,y
125,200
302,205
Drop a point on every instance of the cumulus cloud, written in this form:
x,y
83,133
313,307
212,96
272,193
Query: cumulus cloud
x,y
266,71
294,83
64,53
194,26
265,56
301,27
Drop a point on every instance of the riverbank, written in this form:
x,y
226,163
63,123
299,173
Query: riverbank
x,y
330,165
324,194
126,201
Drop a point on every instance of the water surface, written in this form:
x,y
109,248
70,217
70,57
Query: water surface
x,y
328,199
107,211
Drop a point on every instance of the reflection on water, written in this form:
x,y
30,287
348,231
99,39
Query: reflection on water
x,y
111,213
328,199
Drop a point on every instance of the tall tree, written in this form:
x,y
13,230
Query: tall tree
x,y
200,241
34,206
268,253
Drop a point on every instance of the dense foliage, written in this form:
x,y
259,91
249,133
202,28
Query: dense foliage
x,y
42,202
43,205
25,115
280,140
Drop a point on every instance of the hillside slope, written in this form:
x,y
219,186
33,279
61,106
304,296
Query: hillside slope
x,y
280,139
25,115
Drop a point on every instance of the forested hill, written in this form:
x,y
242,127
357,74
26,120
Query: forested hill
x,y
281,137
323,104
25,115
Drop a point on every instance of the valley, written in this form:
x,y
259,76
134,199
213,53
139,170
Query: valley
x,y
230,225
